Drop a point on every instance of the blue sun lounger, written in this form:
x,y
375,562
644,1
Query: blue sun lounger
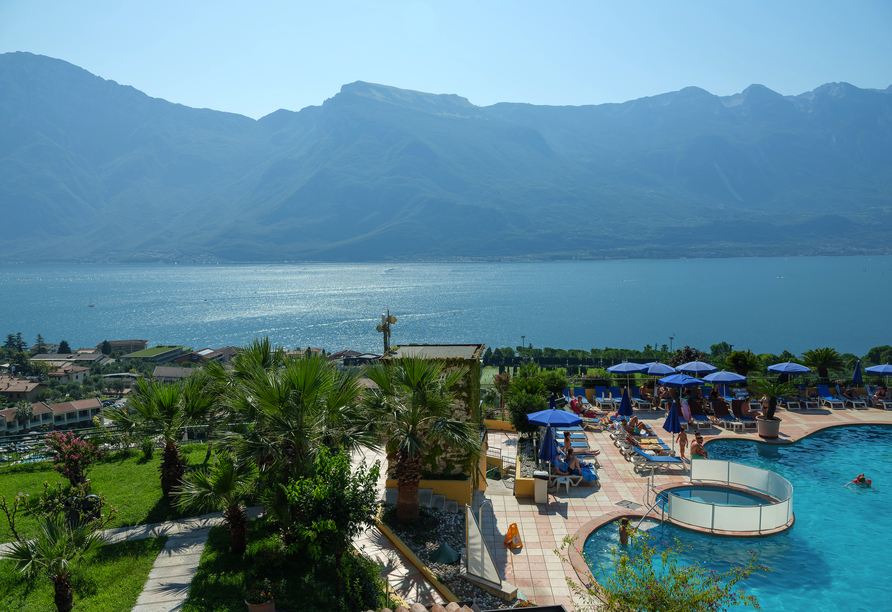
x,y
637,401
603,399
642,459
854,402
827,397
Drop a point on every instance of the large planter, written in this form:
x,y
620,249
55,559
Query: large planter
x,y
269,606
768,429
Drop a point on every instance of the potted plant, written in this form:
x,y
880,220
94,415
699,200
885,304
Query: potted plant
x,y
262,595
772,389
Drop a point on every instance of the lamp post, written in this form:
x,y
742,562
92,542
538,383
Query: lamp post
x,y
671,338
522,345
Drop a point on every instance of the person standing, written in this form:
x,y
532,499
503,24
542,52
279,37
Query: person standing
x,y
682,444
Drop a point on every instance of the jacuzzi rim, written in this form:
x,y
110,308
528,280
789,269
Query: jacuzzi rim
x,y
718,485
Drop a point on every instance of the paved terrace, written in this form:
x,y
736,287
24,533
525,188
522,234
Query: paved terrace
x,y
535,569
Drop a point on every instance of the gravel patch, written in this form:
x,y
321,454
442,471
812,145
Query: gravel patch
x,y
434,528
527,452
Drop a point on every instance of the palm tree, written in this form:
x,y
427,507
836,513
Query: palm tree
x,y
823,360
412,409
742,361
53,552
226,486
773,389
164,409
22,413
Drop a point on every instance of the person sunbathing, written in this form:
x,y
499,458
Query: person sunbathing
x,y
634,422
847,392
880,394
644,394
572,465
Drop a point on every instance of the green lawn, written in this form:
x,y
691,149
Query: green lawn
x,y
223,578
127,481
107,580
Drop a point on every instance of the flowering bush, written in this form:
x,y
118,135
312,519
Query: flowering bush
x,y
264,591
72,455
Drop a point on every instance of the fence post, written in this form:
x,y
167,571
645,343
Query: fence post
x,y
712,520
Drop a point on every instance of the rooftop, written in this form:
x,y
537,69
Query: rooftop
x,y
155,350
440,351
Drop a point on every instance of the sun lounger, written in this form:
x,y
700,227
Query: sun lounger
x,y
637,401
885,404
724,418
643,460
804,399
603,399
854,402
737,408
701,421
828,398
790,403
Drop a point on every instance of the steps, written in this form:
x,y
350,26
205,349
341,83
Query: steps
x,y
426,499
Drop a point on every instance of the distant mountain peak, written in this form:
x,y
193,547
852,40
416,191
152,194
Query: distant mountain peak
x,y
408,98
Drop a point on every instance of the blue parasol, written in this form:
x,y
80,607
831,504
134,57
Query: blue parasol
x,y
625,405
628,368
658,369
553,416
856,377
788,367
672,424
552,403
548,452
696,367
681,380
882,370
724,378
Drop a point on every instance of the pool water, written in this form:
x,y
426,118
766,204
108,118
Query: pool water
x,y
716,495
837,556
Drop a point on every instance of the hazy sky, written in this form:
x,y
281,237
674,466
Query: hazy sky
x,y
256,57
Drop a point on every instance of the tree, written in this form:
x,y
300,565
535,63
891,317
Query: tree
x,y
412,407
487,356
719,350
773,389
164,409
40,344
651,581
10,342
22,412
742,361
227,485
823,360
520,405
554,381
336,504
502,382
20,343
54,551
64,349
106,347
879,355
688,354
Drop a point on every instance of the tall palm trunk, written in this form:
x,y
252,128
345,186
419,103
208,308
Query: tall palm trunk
x,y
64,595
172,468
408,474
237,519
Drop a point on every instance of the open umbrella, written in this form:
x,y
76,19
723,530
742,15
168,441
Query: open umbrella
x,y
627,369
672,425
680,380
724,378
857,380
625,405
696,367
553,416
788,367
880,370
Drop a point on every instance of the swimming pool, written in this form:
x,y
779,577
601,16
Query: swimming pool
x,y
716,495
836,556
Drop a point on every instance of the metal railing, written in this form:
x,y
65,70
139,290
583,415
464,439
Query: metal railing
x,y
719,517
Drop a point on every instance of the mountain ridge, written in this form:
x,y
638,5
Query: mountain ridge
x,y
104,172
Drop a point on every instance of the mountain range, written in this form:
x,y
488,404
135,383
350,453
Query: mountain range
x,y
94,171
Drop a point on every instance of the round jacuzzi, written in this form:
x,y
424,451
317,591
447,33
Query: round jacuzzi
x,y
720,496
727,497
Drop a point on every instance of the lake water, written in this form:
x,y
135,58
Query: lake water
x,y
768,305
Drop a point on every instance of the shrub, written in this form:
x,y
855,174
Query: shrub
x,y
72,455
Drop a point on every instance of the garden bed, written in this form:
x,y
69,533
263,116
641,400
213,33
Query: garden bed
x,y
109,579
425,536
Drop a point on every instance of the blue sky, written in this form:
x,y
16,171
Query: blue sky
x,y
256,57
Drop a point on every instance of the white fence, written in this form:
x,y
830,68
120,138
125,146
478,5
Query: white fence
x,y
734,518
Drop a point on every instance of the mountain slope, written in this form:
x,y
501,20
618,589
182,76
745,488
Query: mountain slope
x,y
101,172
